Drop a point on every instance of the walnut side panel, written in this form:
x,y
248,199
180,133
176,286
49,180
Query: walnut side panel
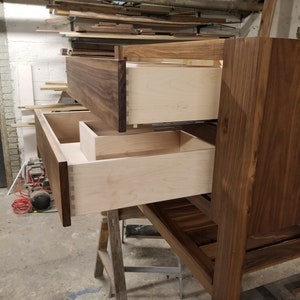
x,y
276,195
240,113
56,167
99,84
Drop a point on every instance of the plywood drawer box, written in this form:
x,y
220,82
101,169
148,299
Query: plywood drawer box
x,y
105,169
122,93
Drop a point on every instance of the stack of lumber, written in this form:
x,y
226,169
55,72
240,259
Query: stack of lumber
x,y
99,25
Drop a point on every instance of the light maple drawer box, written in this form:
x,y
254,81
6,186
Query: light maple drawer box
x,y
105,170
122,93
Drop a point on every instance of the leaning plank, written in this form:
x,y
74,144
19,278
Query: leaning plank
x,y
267,18
135,19
128,37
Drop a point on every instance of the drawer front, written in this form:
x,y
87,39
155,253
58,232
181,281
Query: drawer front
x,y
56,166
123,93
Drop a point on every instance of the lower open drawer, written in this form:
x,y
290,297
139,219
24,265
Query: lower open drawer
x,y
100,169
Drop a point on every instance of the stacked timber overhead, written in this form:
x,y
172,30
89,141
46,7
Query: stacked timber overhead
x,y
98,25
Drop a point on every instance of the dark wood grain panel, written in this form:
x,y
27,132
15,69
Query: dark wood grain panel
x,y
245,73
267,18
56,166
205,131
100,85
268,256
256,175
276,195
206,49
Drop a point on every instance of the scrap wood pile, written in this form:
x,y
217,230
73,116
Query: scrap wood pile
x,y
96,26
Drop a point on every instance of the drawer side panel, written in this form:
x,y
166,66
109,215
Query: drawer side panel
x,y
171,94
116,183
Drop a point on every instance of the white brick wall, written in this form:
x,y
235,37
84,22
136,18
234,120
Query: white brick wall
x,y
40,53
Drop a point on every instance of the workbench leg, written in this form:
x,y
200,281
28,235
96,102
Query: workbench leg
x,y
102,246
116,254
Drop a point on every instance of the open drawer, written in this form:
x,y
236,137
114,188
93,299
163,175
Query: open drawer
x,y
122,92
104,169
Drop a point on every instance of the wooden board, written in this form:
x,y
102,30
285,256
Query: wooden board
x,y
267,18
99,85
206,49
116,38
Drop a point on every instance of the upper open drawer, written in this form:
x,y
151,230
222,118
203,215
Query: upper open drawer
x,y
122,93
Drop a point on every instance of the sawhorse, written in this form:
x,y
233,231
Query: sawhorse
x,y
113,263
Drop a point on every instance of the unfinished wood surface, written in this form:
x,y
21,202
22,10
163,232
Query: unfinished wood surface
x,y
170,93
55,165
124,182
92,133
132,145
267,18
274,254
53,87
209,49
105,146
100,86
65,125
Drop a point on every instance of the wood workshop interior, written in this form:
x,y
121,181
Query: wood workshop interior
x,y
150,149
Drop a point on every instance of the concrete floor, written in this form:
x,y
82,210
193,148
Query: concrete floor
x,y
42,260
